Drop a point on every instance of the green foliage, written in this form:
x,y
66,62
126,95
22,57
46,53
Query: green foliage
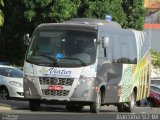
x,y
98,9
1,18
155,58
1,2
39,11
135,13
1,13
12,48
129,13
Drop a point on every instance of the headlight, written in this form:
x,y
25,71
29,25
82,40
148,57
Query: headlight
x,y
83,79
17,84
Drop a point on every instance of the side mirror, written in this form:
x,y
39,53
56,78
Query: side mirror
x,y
27,39
105,42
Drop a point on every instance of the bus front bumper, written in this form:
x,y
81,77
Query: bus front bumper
x,y
82,93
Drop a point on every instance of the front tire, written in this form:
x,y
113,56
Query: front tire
x,y
95,107
34,105
132,104
150,103
138,103
128,107
121,108
4,94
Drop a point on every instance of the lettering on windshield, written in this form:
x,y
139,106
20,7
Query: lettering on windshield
x,y
58,72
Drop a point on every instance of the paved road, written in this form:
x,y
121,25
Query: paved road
x,y
20,111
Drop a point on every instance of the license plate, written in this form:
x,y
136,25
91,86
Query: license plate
x,y
55,87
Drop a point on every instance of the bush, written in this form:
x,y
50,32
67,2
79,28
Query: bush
x,y
155,58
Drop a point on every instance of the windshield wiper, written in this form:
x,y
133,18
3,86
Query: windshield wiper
x,y
82,62
52,58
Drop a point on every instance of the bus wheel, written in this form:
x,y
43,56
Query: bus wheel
x,y
121,108
34,105
74,108
95,107
131,105
138,103
150,103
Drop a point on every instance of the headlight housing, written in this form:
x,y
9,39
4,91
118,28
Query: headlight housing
x,y
17,84
84,79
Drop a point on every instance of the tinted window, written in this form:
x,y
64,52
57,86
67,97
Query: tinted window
x,y
155,89
18,73
3,72
11,72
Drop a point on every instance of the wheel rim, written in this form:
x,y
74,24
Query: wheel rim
x,y
150,104
3,94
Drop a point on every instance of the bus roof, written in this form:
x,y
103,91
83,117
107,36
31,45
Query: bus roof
x,y
92,21
81,23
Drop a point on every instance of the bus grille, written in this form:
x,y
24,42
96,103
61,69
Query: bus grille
x,y
55,92
56,81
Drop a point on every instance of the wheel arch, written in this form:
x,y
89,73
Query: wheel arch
x,y
3,86
135,91
102,90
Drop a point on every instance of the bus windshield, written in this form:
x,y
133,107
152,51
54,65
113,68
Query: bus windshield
x,y
67,48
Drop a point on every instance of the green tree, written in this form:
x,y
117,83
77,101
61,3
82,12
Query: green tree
x,y
155,58
12,48
129,13
41,11
99,8
135,13
1,13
